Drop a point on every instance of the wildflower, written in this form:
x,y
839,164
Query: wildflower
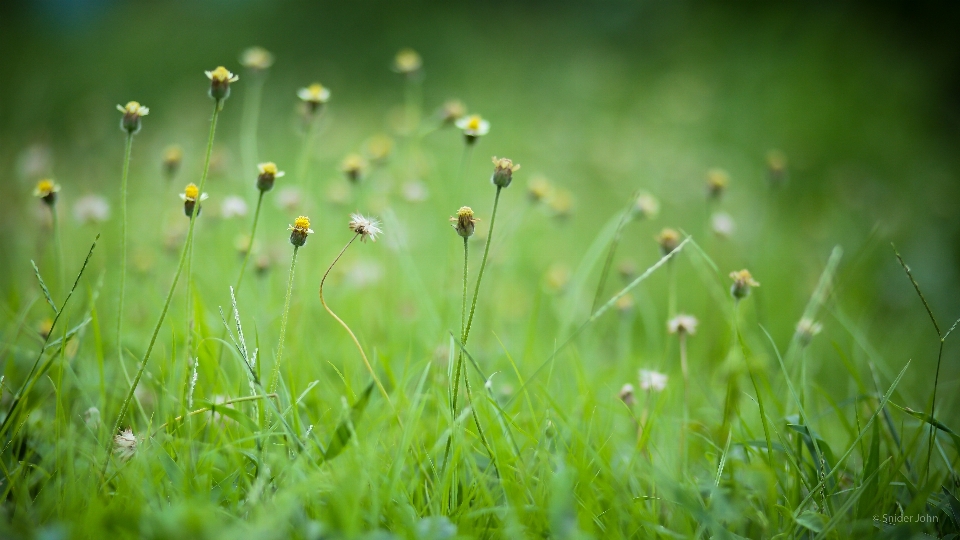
x,y
91,417
503,170
256,59
652,380
464,222
268,173
742,281
299,231
220,80
315,96
354,167
190,197
646,206
538,189
47,190
626,395
627,270
172,158
414,191
683,324
668,239
777,167
451,111
132,112
717,181
91,209
125,444
379,148
561,204
45,327
288,198
806,329
625,304
722,224
407,62
233,206
473,127
365,227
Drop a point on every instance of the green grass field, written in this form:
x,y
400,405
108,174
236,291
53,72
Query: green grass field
x,y
162,376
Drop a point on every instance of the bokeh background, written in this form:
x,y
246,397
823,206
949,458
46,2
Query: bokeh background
x,y
603,98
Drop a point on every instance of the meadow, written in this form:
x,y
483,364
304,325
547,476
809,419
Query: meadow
x,y
625,285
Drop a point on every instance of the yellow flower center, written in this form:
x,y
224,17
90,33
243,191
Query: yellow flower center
x,y
221,74
132,108
45,187
301,223
465,212
191,191
269,168
316,90
473,122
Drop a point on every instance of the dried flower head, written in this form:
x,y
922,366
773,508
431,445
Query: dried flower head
x,y
473,127
627,396
646,206
256,59
190,197
125,444
365,227
683,324
723,224
268,173
777,167
354,167
464,222
538,189
132,112
233,206
91,209
652,380
503,170
742,282
668,239
717,181
172,158
314,96
220,80
806,329
407,62
299,231
451,111
47,190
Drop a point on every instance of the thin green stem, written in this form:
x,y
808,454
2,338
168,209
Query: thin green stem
x,y
275,377
463,323
253,232
251,119
686,400
464,160
173,286
123,242
613,249
483,265
933,409
303,166
58,241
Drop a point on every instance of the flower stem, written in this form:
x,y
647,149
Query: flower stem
x,y
123,242
250,121
253,232
347,328
173,286
463,326
483,264
303,166
275,377
58,241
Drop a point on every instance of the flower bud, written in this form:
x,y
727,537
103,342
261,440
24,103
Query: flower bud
x,y
742,282
503,172
220,80
172,158
268,173
668,239
47,191
464,222
717,181
132,112
354,167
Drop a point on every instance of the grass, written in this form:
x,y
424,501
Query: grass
x,y
760,431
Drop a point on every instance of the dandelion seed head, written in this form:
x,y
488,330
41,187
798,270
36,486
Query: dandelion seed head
x,y
683,324
365,227
652,380
125,444
723,224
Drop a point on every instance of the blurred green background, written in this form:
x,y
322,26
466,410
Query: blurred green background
x,y
601,97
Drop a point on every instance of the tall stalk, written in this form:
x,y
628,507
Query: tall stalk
x,y
275,377
251,120
123,242
253,232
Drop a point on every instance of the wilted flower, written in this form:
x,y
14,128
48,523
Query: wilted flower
x,y
806,329
626,395
503,170
742,282
125,444
723,224
538,189
717,181
172,158
668,239
365,227
451,111
474,127
777,167
646,206
683,324
464,222
233,206
652,380
220,80
354,167
299,231
268,173
47,190
132,112
91,209
314,96
190,197
256,59
407,62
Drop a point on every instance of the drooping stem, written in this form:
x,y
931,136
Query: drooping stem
x,y
123,242
275,377
347,328
176,277
253,232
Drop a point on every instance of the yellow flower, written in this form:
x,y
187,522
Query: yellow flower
x,y
717,181
503,170
354,167
47,189
268,173
256,58
473,127
190,196
464,222
299,231
314,95
407,62
220,80
668,239
742,282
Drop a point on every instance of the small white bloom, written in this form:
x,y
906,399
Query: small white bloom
x,y
806,329
125,445
627,395
315,94
91,209
233,206
723,224
365,227
473,125
652,380
646,206
683,323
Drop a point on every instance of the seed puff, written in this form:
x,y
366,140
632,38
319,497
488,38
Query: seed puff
x,y
365,227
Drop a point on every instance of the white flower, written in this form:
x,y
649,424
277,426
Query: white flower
x,y
646,206
316,94
723,224
652,380
473,125
806,329
683,324
233,206
365,227
626,395
125,444
91,209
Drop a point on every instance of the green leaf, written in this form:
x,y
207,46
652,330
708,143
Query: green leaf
x,y
345,429
231,413
811,520
43,287
924,417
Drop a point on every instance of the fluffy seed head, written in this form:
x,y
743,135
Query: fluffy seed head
x,y
503,170
742,282
683,324
668,239
256,58
365,227
125,444
652,380
464,222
